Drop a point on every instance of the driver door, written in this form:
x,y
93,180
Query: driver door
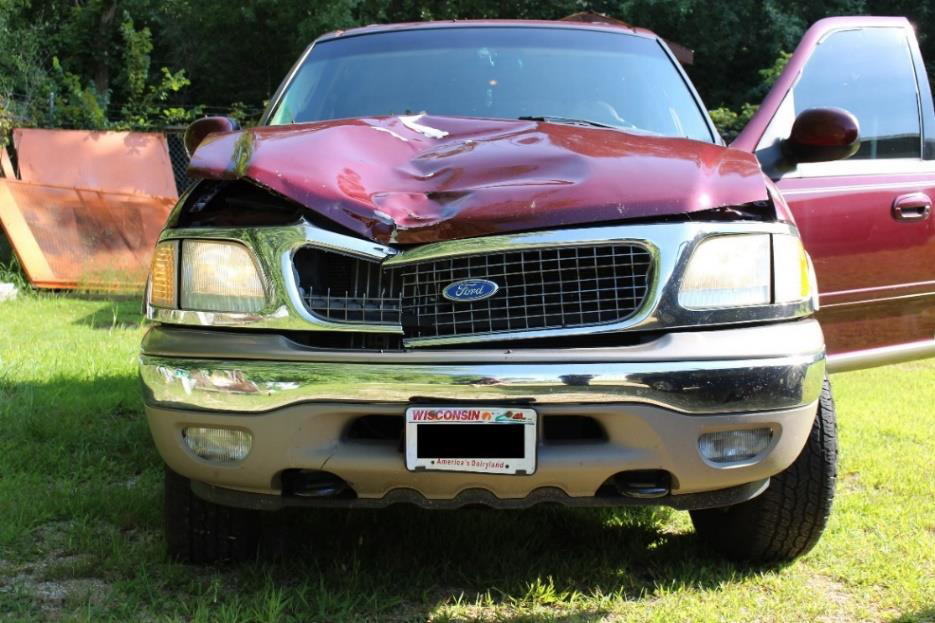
x,y
866,220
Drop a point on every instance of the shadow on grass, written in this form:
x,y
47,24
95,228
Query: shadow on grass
x,y
926,615
63,424
116,314
333,565
429,559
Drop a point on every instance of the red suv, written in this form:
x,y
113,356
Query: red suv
x,y
512,263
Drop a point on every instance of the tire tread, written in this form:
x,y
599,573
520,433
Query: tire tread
x,y
200,532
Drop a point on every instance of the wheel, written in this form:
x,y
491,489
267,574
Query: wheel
x,y
786,520
201,532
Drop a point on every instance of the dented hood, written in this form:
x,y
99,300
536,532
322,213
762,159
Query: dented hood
x,y
423,179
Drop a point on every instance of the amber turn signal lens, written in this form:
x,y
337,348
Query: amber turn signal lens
x,y
163,282
793,276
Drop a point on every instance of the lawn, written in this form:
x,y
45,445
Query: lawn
x,y
81,495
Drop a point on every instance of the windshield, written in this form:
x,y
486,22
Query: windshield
x,y
614,79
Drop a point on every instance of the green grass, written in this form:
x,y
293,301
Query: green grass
x,y
80,513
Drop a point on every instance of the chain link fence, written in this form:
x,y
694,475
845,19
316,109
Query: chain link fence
x,y
179,158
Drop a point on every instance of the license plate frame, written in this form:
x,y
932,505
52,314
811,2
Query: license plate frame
x,y
485,418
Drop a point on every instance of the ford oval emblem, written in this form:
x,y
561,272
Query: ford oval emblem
x,y
470,290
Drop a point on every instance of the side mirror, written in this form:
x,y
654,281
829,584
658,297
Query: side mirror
x,y
822,134
199,129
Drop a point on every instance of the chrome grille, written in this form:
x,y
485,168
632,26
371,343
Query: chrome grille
x,y
539,289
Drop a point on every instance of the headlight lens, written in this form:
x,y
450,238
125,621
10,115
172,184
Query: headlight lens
x,y
748,269
163,286
728,271
220,276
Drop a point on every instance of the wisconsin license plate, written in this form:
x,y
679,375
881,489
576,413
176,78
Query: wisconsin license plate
x,y
488,440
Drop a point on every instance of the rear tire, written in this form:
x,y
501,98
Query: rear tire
x,y
786,520
201,532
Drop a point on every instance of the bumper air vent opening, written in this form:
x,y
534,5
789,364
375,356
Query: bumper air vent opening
x,y
385,428
310,483
644,484
559,429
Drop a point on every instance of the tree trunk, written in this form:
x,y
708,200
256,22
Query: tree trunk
x,y
102,70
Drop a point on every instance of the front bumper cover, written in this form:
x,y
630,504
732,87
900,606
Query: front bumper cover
x,y
653,401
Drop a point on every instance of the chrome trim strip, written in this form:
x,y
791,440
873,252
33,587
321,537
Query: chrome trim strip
x,y
671,245
288,237
768,341
662,236
883,356
694,387
876,289
881,299
857,188
857,168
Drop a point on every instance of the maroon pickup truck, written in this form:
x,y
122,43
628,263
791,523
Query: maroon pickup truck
x,y
509,263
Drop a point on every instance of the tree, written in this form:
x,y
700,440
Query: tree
x,y
239,52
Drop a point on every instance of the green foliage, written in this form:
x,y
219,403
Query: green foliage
x,y
146,63
730,123
769,75
246,115
71,103
72,87
136,58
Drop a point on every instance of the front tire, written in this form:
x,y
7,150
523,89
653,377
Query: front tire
x,y
201,532
786,520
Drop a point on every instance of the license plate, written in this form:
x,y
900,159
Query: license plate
x,y
488,440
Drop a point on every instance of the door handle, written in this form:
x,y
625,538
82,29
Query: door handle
x,y
913,207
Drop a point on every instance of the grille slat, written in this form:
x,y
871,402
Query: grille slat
x,y
546,288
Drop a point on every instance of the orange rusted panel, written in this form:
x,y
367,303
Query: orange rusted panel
x,y
81,238
6,164
130,163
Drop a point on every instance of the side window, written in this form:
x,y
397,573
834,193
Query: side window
x,y
868,72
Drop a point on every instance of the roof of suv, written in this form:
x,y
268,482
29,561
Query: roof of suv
x,y
377,28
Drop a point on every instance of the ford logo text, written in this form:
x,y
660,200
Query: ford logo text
x,y
470,290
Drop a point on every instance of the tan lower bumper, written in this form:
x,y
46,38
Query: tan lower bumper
x,y
313,436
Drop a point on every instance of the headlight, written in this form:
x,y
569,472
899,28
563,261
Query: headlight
x,y
747,269
220,276
728,271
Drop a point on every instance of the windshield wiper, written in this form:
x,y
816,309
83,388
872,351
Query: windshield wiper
x,y
551,119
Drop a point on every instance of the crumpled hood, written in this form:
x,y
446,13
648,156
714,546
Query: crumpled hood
x,y
422,179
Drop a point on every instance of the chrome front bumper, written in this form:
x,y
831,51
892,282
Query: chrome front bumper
x,y
693,372
653,401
